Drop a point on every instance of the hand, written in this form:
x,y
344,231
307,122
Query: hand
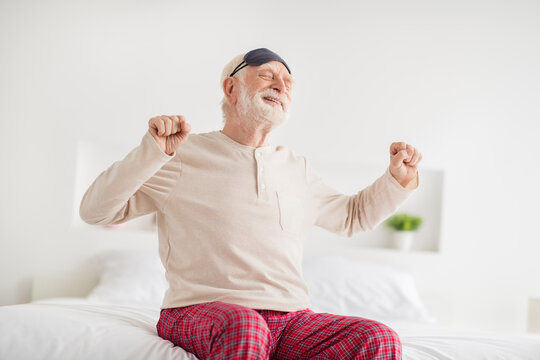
x,y
404,160
169,132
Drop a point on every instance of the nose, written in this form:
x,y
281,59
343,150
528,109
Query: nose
x,y
279,86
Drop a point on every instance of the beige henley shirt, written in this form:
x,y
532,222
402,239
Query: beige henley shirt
x,y
232,218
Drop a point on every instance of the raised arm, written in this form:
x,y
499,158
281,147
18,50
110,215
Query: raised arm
x,y
348,214
140,183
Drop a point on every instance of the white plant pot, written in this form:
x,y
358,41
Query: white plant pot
x,y
402,240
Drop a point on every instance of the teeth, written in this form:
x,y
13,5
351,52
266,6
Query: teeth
x,y
272,99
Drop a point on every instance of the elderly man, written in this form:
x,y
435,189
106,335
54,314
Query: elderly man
x,y
233,212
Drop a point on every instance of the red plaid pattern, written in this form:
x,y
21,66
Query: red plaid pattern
x,y
218,330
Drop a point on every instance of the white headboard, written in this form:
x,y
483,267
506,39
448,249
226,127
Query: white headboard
x,y
76,282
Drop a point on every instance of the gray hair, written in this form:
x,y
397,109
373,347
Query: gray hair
x,y
229,68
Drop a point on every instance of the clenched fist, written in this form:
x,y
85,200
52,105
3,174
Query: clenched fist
x,y
169,132
404,160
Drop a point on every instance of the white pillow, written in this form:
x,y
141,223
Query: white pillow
x,y
133,277
355,288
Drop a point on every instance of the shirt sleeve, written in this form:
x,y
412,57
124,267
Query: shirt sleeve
x,y
137,185
348,214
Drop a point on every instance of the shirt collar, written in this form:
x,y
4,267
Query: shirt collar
x,y
222,136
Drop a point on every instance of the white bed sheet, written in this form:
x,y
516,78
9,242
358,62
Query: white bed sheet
x,y
433,341
73,328
76,328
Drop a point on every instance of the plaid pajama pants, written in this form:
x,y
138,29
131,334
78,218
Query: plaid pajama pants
x,y
218,330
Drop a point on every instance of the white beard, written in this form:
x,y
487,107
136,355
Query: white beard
x,y
255,108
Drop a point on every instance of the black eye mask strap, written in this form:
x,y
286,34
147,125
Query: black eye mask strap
x,y
240,66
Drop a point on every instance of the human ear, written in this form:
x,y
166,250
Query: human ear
x,y
229,90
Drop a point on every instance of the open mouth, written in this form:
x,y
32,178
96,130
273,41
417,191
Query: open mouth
x,y
274,100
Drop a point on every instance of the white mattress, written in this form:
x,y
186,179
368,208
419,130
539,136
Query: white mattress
x,y
431,341
75,328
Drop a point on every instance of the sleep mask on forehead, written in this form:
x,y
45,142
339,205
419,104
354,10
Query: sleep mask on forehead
x,y
258,57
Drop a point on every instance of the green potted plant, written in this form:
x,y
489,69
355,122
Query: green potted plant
x,y
403,228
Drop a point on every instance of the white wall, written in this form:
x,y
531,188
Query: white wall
x,y
458,80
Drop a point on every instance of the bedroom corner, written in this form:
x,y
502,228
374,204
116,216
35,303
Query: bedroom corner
x,y
458,80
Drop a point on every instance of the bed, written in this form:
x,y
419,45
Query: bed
x,y
117,319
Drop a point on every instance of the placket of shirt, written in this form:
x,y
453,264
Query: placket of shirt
x,y
262,187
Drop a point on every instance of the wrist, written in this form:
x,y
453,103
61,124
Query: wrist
x,y
412,184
